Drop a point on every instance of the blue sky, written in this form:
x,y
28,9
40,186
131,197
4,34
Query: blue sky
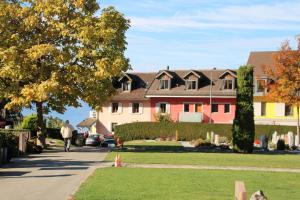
x,y
187,34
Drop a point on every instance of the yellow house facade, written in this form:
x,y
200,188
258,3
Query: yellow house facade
x,y
266,112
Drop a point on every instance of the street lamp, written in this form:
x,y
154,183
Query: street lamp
x,y
210,94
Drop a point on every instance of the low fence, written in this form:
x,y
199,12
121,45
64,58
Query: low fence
x,y
13,143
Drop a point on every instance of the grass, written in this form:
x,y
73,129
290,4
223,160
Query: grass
x,y
56,142
152,143
211,159
136,183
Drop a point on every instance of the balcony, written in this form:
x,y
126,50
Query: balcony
x,y
190,117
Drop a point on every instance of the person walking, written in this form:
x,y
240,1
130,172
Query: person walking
x,y
67,132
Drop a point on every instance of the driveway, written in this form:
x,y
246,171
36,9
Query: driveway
x,y
52,175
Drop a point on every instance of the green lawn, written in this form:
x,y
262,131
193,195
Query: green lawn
x,y
152,143
55,142
146,184
219,159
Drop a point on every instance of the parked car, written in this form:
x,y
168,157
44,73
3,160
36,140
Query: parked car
x,y
93,140
108,142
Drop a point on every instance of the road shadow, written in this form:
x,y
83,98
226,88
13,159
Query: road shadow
x,y
21,174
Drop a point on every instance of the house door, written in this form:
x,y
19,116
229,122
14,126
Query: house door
x,y
198,107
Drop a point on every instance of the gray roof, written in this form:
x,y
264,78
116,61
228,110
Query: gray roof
x,y
178,87
140,83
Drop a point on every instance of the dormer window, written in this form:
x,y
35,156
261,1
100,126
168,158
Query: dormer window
x,y
164,84
228,80
191,84
191,80
260,86
164,78
126,86
228,84
126,82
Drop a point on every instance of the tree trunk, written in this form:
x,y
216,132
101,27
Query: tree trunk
x,y
40,123
298,134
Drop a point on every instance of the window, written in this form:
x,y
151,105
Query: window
x,y
226,108
260,85
263,108
214,108
228,84
135,108
113,126
191,84
288,111
198,107
126,86
163,84
186,107
115,107
163,108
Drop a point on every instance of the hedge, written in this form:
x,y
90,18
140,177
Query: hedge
x,y
10,140
187,131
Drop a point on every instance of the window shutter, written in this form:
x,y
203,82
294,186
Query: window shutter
x,y
110,108
120,109
130,108
141,108
222,84
168,109
129,86
157,107
257,108
279,109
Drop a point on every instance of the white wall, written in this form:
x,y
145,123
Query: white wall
x,y
106,118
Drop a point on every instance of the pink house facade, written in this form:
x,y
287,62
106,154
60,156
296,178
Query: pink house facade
x,y
224,113
199,96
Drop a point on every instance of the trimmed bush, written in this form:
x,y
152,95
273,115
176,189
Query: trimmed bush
x,y
280,145
187,131
243,125
9,140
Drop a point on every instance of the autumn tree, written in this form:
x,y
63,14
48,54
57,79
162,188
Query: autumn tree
x,y
243,128
285,77
55,52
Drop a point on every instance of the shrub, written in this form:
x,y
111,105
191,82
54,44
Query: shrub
x,y
280,145
30,122
187,131
160,117
9,140
224,140
201,143
243,124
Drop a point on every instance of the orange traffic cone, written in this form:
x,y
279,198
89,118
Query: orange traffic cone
x,y
118,161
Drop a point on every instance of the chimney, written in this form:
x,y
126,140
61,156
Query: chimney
x,y
168,67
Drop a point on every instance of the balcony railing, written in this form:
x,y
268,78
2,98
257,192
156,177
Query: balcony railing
x,y
190,117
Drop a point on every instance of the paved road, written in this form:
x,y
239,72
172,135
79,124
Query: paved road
x,y
52,175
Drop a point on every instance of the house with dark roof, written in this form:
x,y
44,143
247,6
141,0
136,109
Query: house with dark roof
x,y
194,95
266,112
130,103
206,96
